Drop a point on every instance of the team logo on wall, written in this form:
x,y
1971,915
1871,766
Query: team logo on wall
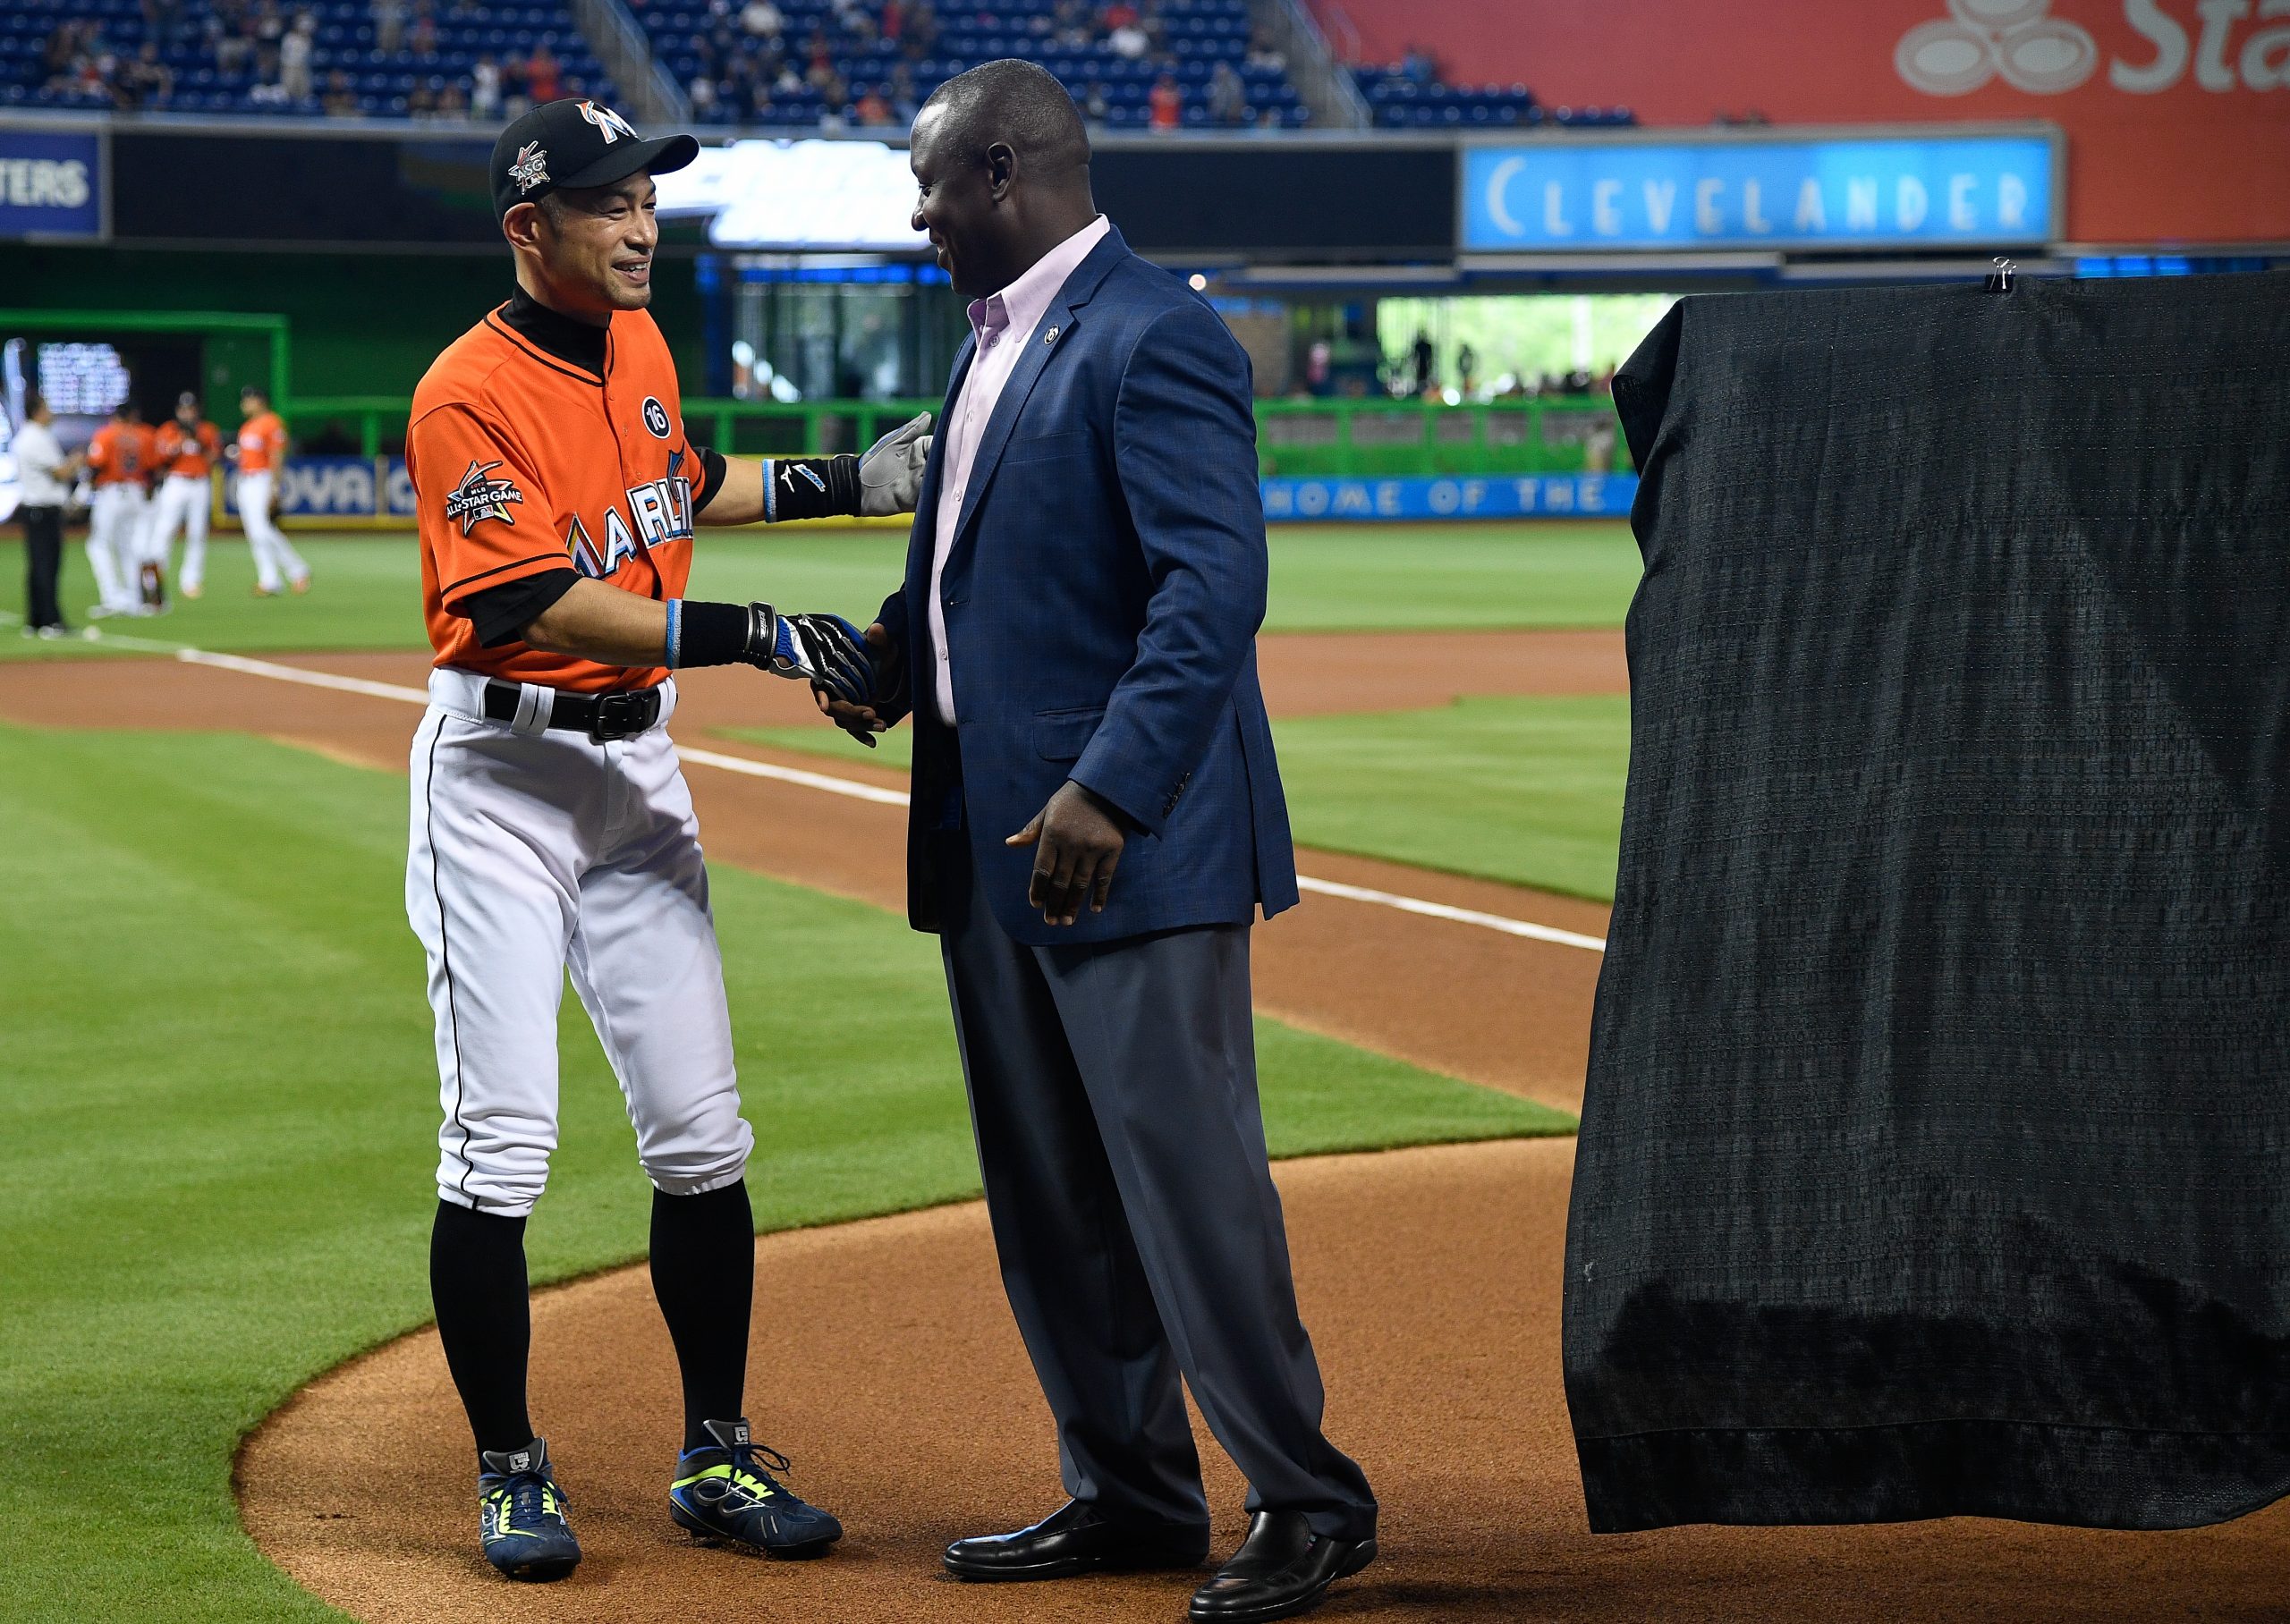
x,y
477,498
655,417
530,168
1982,39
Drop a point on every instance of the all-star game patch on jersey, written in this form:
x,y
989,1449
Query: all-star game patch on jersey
x,y
523,463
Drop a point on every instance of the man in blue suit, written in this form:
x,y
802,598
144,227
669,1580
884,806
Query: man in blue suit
x,y
1077,629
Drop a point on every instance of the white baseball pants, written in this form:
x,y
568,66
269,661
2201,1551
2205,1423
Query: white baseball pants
x,y
273,556
116,516
182,505
532,850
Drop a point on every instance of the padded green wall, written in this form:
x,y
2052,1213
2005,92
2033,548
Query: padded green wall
x,y
363,323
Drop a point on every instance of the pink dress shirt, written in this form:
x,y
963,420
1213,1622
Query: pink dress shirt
x,y
1005,326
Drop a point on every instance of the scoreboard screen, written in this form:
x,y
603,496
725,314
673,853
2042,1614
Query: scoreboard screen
x,y
84,380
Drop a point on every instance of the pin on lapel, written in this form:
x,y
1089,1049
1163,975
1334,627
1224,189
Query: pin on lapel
x,y
1049,337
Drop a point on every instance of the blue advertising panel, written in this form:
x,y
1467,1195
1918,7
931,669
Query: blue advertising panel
x,y
1726,192
337,487
51,182
1491,496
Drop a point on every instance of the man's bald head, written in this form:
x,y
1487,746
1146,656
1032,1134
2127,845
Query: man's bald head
x,y
1015,104
1001,169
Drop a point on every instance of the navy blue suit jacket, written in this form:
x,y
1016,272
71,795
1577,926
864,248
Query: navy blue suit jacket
x,y
1102,600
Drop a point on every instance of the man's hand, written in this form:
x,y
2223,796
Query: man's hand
x,y
890,470
1078,843
824,649
862,719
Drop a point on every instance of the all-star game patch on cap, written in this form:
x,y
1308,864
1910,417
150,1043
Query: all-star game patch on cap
x,y
566,145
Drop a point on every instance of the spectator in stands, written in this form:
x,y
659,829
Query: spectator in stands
x,y
1264,55
702,94
422,102
761,19
1466,370
423,40
1118,15
873,110
146,82
1228,98
340,98
1425,362
294,52
234,47
484,88
904,102
389,25
894,22
543,74
855,20
269,24
516,86
1418,66
453,102
1167,101
1094,105
1129,40
920,33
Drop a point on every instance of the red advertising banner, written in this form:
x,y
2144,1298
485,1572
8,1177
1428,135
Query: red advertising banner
x,y
2177,111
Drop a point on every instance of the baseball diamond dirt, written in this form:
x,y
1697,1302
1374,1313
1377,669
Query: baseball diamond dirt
x,y
1431,1279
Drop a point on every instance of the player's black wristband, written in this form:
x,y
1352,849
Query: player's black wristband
x,y
707,634
811,487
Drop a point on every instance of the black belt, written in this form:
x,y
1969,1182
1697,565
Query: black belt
x,y
602,717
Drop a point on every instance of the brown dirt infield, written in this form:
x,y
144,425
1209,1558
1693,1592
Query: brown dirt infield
x,y
887,1364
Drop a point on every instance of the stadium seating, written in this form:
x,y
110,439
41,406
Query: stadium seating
x,y
196,79
1193,38
1400,98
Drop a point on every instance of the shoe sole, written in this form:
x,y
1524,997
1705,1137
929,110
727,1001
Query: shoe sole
x,y
1358,1560
1067,1568
540,1572
716,1540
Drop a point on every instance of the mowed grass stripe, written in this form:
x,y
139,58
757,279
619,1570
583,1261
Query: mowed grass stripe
x,y
1370,578
218,1119
1522,790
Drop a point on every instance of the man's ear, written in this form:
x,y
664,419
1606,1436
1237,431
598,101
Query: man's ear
x,y
1001,169
522,225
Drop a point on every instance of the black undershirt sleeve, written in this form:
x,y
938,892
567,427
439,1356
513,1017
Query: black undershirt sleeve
x,y
712,478
500,614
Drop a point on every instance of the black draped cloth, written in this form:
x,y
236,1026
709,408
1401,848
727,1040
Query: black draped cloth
x,y
1933,1161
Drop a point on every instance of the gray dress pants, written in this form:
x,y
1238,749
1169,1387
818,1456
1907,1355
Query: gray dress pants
x,y
1113,1089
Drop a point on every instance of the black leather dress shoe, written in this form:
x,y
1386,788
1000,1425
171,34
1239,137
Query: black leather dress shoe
x,y
1074,1539
1281,1570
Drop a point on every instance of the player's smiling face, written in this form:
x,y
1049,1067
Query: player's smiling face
x,y
597,246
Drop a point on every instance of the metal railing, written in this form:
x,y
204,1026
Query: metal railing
x,y
1333,438
1325,84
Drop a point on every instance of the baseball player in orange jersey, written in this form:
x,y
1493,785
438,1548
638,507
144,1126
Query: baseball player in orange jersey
x,y
260,452
558,490
189,448
120,455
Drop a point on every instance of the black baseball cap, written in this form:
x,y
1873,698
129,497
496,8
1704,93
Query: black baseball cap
x,y
575,143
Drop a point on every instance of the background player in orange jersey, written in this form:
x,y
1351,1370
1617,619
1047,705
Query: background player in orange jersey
x,y
120,457
189,448
260,452
557,492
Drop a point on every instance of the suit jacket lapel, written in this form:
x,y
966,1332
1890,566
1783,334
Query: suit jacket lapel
x,y
1042,346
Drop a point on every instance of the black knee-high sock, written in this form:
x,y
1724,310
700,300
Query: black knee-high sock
x,y
703,1272
477,1280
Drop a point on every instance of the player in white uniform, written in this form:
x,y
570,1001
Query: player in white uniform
x,y
119,461
188,449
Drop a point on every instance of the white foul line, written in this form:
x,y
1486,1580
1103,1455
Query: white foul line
x,y
876,793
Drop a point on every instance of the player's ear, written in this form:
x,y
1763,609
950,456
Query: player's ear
x,y
522,225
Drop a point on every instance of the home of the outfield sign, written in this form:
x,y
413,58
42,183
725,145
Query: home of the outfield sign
x,y
51,183
1727,192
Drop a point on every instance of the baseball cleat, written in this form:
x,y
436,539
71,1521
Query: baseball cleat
x,y
723,1496
265,591
301,587
520,1515
191,591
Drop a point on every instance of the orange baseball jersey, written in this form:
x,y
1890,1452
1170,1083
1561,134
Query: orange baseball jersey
x,y
190,454
523,463
262,442
121,453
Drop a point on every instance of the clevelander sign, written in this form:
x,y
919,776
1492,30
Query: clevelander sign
x,y
51,183
1729,192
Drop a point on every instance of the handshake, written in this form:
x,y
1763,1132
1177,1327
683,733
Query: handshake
x,y
857,676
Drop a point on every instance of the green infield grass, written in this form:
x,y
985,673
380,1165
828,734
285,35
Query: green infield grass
x,y
1409,577
1525,789
219,1130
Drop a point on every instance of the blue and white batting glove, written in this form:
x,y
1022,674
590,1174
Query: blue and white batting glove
x,y
822,649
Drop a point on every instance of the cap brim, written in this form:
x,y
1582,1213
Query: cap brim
x,y
669,152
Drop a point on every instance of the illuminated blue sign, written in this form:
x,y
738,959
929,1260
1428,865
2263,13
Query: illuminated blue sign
x,y
51,183
1727,192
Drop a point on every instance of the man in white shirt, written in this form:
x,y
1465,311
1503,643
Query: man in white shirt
x,y
45,472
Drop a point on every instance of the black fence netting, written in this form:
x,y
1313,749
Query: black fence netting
x,y
1933,1161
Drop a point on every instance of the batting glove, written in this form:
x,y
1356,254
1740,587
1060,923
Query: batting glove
x,y
890,470
822,649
